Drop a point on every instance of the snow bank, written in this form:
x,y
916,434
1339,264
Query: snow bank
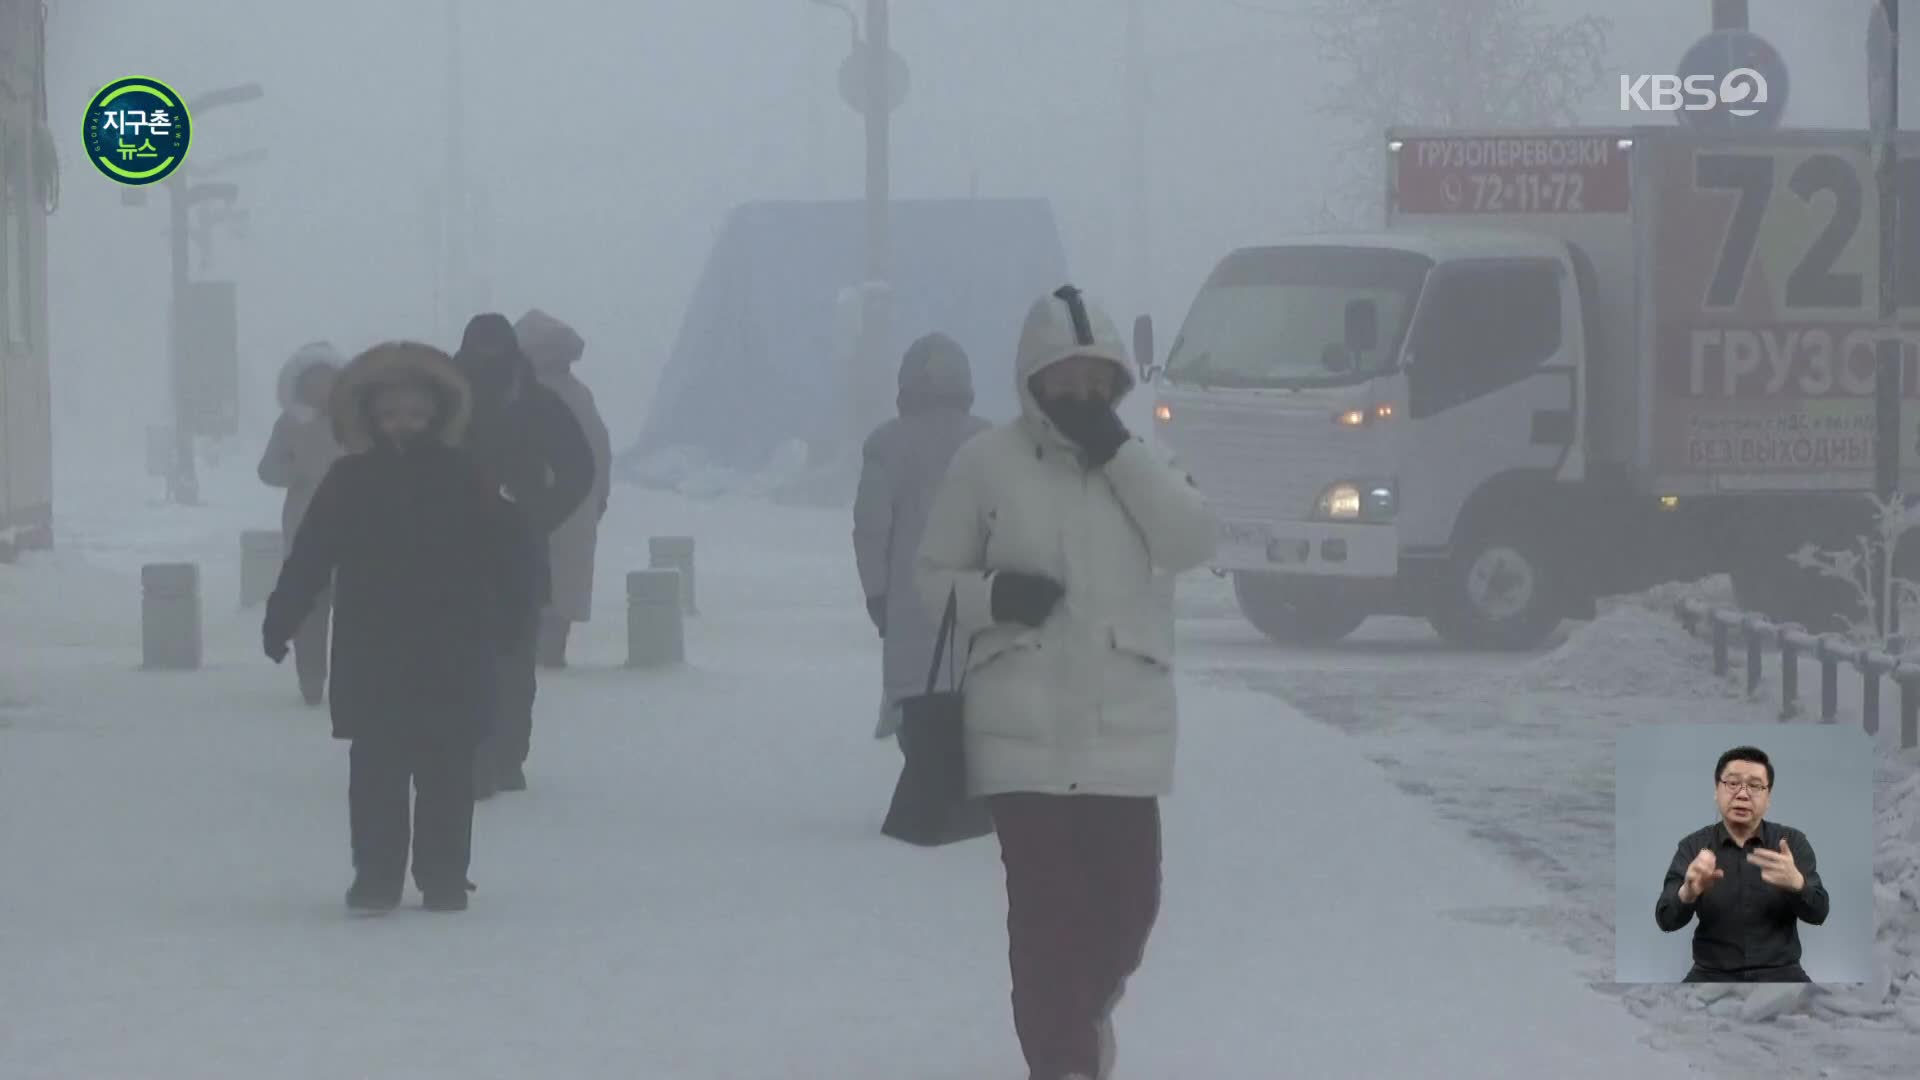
x,y
1522,756
1630,650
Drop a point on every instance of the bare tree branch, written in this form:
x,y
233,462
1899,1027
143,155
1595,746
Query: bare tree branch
x,y
1452,64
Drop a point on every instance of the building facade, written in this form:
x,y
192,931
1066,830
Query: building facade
x,y
29,190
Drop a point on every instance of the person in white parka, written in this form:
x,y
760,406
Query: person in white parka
x,y
298,455
1059,535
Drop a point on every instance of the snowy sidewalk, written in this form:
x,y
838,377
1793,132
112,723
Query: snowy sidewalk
x,y
696,888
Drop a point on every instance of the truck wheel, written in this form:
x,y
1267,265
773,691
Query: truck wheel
x,y
1290,615
1498,592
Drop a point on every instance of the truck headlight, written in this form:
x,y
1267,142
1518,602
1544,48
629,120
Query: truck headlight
x,y
1371,501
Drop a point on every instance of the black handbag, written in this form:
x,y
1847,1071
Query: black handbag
x,y
930,805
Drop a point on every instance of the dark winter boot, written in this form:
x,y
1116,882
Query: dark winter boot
x,y
513,778
371,897
447,898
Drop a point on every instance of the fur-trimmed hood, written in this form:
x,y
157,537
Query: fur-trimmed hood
x,y
311,355
548,342
390,364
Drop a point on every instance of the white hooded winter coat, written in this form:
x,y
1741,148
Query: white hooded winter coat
x,y
1084,704
302,447
554,347
901,466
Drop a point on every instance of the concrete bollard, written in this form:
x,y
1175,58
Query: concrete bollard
x,y
675,553
261,553
170,616
655,631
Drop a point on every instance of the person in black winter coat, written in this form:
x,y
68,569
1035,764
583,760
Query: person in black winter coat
x,y
433,576
532,450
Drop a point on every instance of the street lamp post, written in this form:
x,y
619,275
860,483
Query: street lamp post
x,y
879,53
183,483
183,480
873,83
1888,372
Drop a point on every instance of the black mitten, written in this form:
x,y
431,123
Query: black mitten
x,y
1024,598
877,611
1092,425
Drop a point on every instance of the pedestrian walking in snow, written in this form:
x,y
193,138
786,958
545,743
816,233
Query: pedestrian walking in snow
x,y
1058,535
433,578
532,450
901,467
299,452
554,348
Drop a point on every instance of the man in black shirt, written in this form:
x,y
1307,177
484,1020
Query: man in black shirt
x,y
1751,881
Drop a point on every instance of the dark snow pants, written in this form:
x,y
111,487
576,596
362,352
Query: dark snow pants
x,y
515,683
1083,891
441,834
310,647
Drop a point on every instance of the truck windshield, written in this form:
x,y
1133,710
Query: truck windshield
x,y
1277,317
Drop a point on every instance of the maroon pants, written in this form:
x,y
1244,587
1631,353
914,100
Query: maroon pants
x,y
1083,890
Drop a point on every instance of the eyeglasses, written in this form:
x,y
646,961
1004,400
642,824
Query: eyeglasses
x,y
1753,787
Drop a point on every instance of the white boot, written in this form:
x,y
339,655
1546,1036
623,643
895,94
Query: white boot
x,y
1107,1050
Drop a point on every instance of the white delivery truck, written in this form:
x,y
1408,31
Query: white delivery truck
x,y
1575,363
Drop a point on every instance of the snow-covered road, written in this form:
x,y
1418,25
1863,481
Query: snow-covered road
x,y
695,887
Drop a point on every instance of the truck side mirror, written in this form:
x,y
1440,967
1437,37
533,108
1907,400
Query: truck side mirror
x,y
1144,356
1362,330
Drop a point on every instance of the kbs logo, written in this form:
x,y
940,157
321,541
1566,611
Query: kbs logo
x,y
1737,93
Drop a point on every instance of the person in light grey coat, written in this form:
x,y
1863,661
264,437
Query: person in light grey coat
x,y
299,453
554,348
903,462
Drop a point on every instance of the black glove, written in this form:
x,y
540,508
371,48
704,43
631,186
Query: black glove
x,y
1092,425
274,644
877,611
1024,598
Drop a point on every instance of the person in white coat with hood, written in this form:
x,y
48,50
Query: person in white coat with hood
x,y
298,454
554,348
902,462
1059,535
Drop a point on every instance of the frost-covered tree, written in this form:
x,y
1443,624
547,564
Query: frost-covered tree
x,y
1457,63
1863,568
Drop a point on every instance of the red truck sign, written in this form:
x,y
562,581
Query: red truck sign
x,y
1765,267
1511,174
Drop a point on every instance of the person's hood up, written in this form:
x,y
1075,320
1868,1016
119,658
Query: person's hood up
x,y
935,374
548,342
392,364
1064,324
491,360
311,355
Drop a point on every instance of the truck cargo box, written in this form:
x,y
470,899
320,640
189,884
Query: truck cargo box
x,y
1736,288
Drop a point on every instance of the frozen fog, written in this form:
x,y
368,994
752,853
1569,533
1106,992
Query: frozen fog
x,y
1411,378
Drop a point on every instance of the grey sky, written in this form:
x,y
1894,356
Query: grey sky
x,y
615,137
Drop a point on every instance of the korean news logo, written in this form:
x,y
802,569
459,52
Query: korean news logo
x,y
136,131
1739,92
